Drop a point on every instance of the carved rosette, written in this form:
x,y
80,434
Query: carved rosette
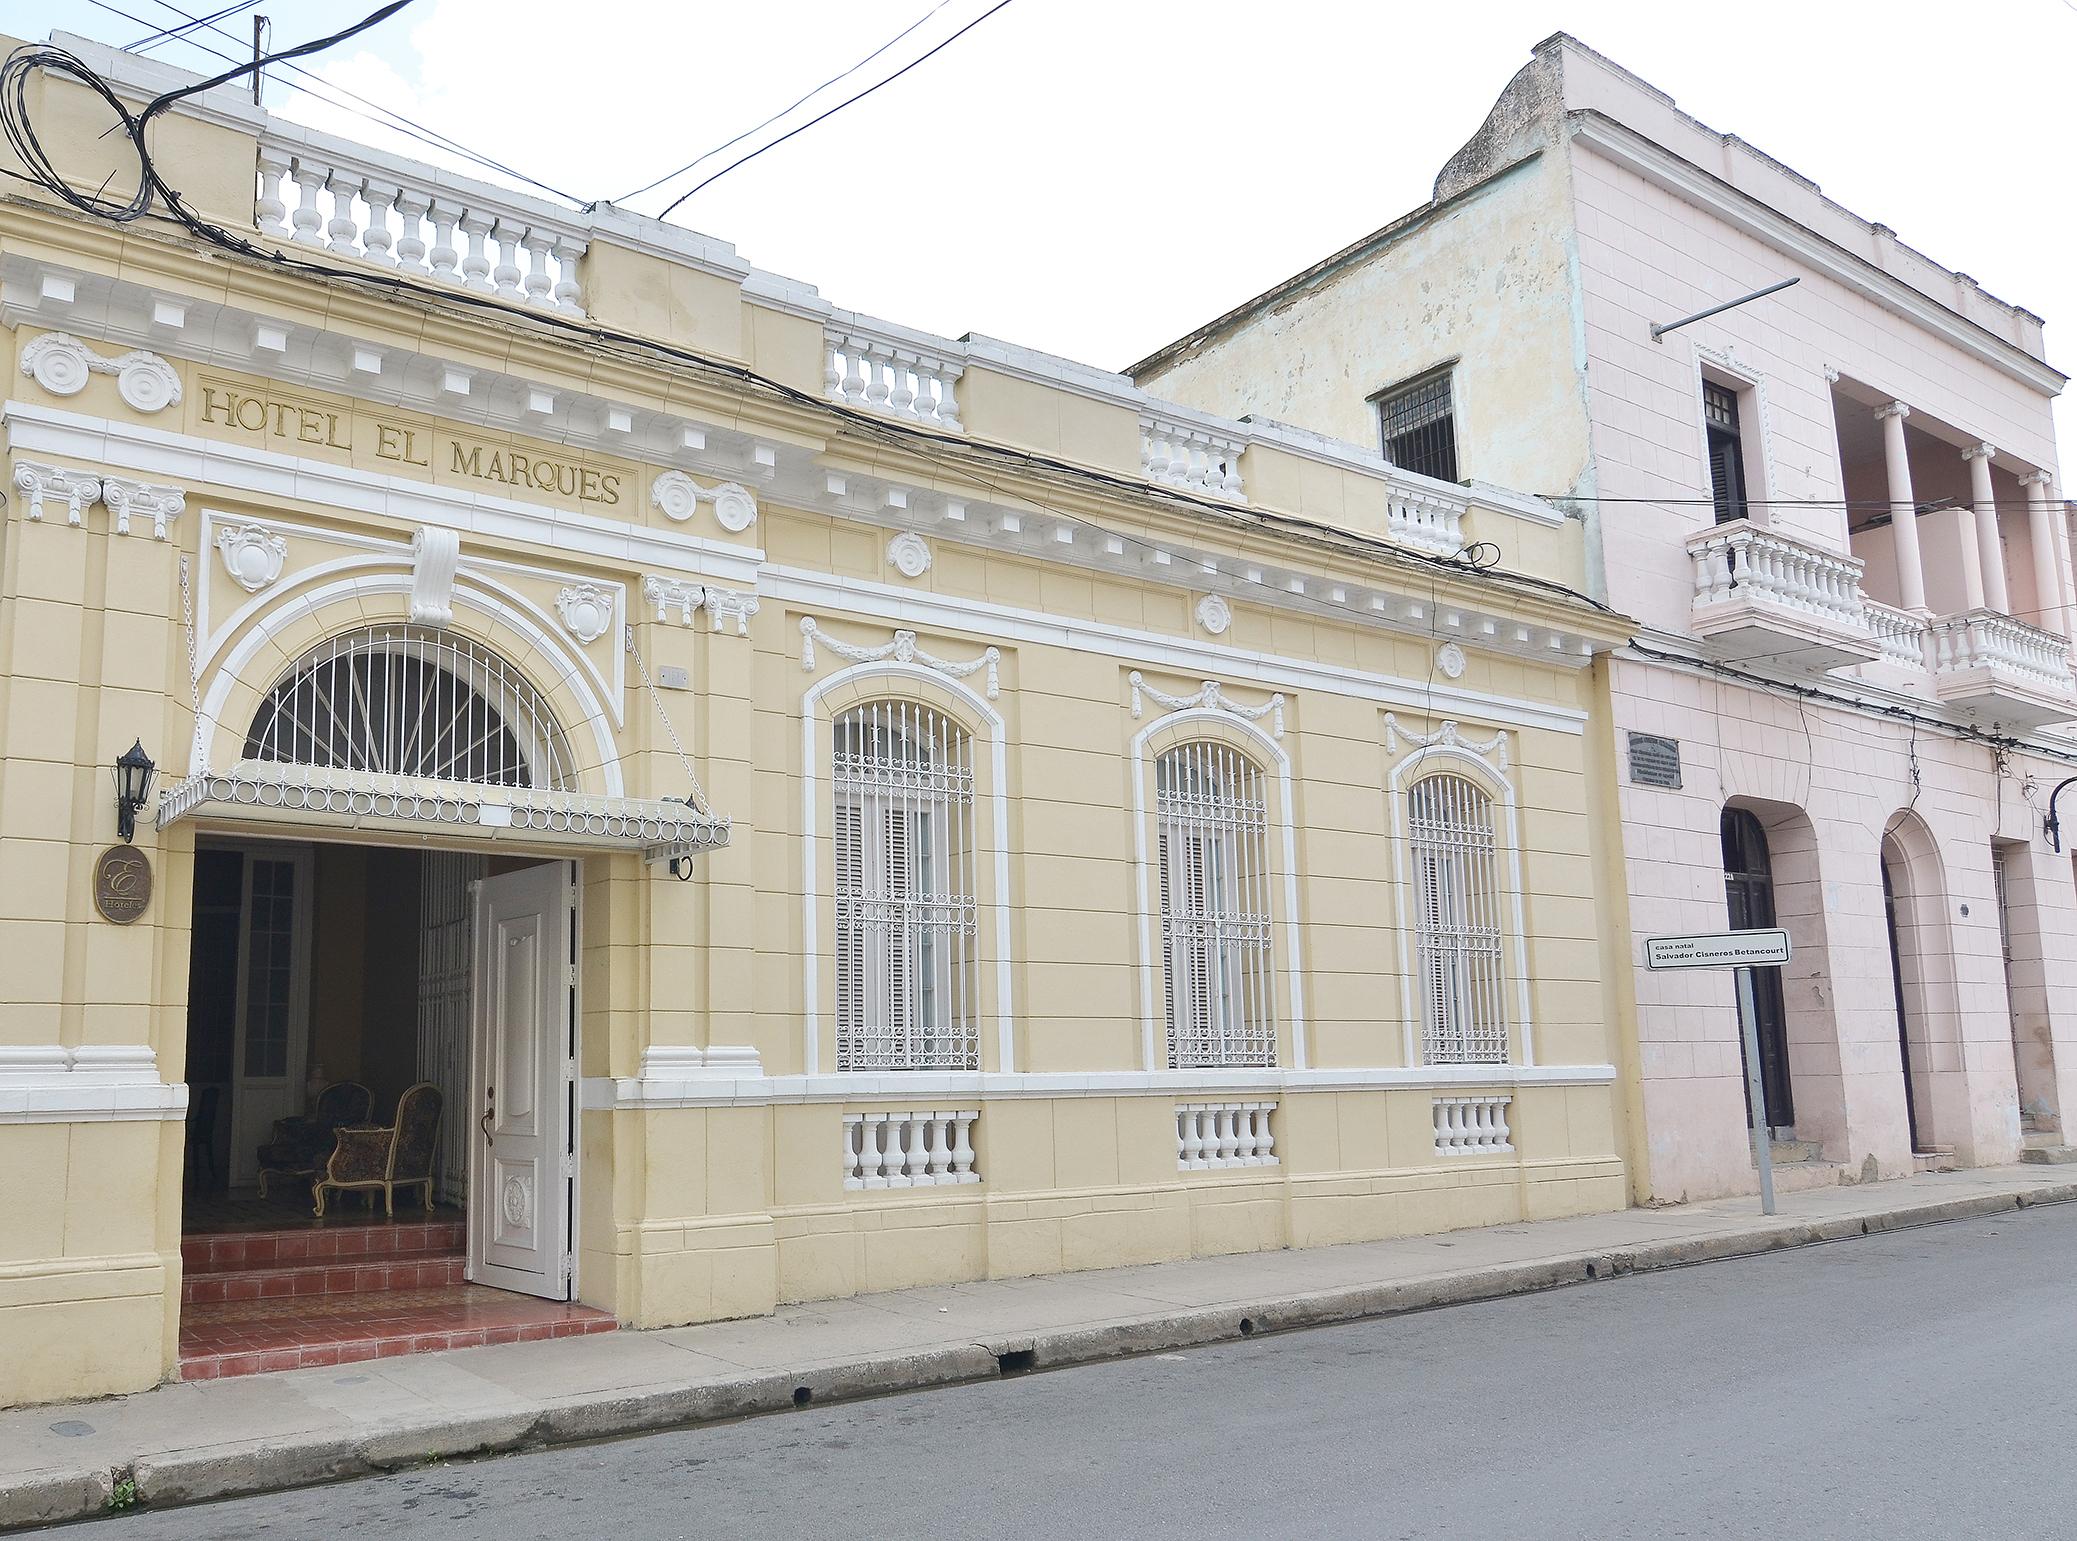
x,y
587,610
1214,614
909,554
1449,658
62,364
679,497
253,557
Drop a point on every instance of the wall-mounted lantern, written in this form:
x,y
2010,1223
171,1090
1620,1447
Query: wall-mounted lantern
x,y
2052,826
133,773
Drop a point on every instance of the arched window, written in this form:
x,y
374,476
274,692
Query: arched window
x,y
1211,817
903,781
410,701
1457,883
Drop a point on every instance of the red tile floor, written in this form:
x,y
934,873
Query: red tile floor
x,y
269,1287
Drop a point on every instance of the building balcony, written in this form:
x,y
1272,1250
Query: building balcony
x,y
1762,597
2001,670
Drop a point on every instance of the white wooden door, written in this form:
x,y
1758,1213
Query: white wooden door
x,y
522,1075
271,1031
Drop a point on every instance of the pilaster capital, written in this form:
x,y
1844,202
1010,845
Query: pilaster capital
x,y
1896,409
1980,452
2037,478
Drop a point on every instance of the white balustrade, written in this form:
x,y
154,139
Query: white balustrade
x,y
1194,459
1429,523
1741,562
1987,639
1214,1134
1900,634
880,374
1471,1126
909,1150
357,206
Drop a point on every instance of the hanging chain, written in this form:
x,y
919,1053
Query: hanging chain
x,y
699,793
187,620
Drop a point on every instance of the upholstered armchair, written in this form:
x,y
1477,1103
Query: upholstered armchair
x,y
400,1156
300,1145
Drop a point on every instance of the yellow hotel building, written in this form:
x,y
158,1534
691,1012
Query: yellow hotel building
x,y
736,801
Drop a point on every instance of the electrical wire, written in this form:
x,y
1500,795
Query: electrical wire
x,y
783,111
774,144
167,34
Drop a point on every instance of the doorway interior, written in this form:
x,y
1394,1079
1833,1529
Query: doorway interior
x,y
1749,895
381,1149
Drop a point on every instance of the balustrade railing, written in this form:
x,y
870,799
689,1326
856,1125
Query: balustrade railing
x,y
1741,562
909,1150
1986,639
1429,523
884,375
426,224
1471,1126
1215,1134
1900,634
1194,459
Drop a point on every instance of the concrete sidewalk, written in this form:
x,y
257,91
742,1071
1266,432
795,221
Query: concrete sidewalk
x,y
184,1443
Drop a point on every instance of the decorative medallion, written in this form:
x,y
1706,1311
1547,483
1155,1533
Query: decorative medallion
x,y
516,1200
679,496
122,883
1450,659
909,553
251,556
586,609
61,364
902,649
1214,614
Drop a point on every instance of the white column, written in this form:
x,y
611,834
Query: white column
x,y
1990,551
2046,554
1903,507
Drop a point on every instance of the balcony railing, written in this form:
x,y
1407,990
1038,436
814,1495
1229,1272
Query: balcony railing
x,y
1899,634
1764,595
1432,524
2002,670
883,374
420,221
1194,459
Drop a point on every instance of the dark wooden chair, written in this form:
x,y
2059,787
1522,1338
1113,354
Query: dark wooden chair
x,y
301,1145
400,1156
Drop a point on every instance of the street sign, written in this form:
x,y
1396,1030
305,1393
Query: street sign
x,y
1718,949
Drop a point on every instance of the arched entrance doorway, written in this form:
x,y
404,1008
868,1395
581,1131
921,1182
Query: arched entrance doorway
x,y
1749,895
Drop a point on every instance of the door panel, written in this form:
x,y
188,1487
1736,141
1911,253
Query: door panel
x,y
519,1193
271,1032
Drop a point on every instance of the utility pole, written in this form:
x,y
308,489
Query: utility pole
x,y
260,28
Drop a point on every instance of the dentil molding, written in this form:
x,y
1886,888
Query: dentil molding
x,y
62,364
1210,695
901,648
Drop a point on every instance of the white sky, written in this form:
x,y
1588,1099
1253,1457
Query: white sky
x,y
1096,177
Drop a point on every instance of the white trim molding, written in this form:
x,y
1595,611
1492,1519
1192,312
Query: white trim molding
x,y
902,649
54,1084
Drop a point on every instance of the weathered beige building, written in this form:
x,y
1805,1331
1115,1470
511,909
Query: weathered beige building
x,y
826,807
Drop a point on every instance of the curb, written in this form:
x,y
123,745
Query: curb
x,y
198,1476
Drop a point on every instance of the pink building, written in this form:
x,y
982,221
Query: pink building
x,y
1835,510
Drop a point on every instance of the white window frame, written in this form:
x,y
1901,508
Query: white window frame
x,y
1456,759
906,930
1720,368
820,707
1271,763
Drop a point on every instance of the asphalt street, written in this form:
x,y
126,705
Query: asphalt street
x,y
1922,1383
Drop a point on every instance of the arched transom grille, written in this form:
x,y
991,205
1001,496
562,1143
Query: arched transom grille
x,y
1211,818
905,908
406,701
1457,891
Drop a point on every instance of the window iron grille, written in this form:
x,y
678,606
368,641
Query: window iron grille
x,y
1211,826
903,781
1461,941
1419,427
408,701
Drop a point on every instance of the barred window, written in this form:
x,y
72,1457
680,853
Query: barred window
x,y
1419,426
1456,876
1211,820
905,907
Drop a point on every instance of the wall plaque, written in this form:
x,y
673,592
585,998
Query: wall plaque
x,y
122,883
1654,761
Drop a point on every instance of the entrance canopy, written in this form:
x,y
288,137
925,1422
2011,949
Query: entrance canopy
x,y
416,733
